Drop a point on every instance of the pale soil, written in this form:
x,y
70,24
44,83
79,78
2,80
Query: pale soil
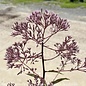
x,y
77,31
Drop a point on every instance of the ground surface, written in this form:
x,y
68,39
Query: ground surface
x,y
10,14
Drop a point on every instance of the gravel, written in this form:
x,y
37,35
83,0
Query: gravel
x,y
78,14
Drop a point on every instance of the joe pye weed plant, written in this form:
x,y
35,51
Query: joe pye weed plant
x,y
39,27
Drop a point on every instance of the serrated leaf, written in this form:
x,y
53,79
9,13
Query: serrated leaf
x,y
59,80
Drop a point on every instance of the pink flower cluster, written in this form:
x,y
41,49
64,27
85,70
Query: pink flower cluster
x,y
34,28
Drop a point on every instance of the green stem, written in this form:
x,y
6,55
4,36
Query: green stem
x,y
43,65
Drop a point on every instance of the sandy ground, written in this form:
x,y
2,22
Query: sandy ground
x,y
77,31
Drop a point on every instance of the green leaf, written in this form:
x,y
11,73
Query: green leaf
x,y
59,80
30,74
19,72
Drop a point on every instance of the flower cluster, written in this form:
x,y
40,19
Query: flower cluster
x,y
12,56
38,82
20,28
36,26
67,52
68,48
46,18
36,18
10,84
19,55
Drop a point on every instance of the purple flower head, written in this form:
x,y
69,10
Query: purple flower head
x,y
18,54
46,18
36,25
68,48
35,17
12,56
46,15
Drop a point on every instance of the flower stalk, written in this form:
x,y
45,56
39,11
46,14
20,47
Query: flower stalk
x,y
43,65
